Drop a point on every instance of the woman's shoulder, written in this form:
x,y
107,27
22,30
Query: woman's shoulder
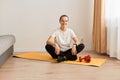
x,y
69,29
56,30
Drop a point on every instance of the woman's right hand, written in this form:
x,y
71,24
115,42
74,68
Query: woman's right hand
x,y
57,49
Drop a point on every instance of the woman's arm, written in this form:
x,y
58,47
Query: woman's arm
x,y
75,39
74,51
50,41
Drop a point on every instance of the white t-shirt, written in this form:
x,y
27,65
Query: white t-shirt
x,y
64,38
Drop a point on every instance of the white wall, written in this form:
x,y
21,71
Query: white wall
x,y
32,21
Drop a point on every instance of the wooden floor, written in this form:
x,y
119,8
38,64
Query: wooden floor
x,y
23,69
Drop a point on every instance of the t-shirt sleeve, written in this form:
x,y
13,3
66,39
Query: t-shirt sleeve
x,y
53,34
72,33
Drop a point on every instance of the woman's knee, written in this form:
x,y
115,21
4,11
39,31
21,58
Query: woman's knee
x,y
80,47
47,46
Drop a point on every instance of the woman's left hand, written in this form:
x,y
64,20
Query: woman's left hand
x,y
73,51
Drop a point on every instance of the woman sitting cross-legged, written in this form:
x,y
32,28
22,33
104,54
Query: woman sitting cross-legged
x,y
58,44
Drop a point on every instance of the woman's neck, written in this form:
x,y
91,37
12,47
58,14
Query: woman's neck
x,y
63,28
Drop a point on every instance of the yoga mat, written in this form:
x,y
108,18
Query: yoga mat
x,y
47,57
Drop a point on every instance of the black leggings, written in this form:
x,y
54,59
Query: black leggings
x,y
51,50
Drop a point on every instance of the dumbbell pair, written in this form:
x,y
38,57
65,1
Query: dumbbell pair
x,y
86,58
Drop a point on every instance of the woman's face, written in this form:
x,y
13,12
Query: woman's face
x,y
64,21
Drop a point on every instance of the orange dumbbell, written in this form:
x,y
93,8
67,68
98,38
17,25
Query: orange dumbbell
x,y
86,59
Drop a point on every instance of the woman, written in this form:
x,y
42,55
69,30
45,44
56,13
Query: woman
x,y
58,44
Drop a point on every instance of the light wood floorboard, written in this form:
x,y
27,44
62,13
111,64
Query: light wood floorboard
x,y
23,69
